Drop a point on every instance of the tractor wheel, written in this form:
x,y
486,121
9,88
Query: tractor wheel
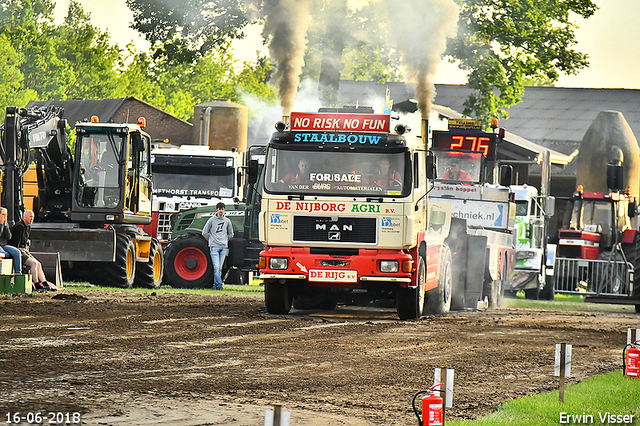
x,y
188,262
277,297
531,293
121,273
410,301
149,274
439,299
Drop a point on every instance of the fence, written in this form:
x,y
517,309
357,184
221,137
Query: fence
x,y
594,277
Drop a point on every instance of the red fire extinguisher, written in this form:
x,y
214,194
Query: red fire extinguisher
x,y
631,358
431,407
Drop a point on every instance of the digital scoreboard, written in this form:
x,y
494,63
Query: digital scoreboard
x,y
462,140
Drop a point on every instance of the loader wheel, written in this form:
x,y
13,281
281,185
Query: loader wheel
x,y
277,297
439,299
188,262
149,274
121,273
410,301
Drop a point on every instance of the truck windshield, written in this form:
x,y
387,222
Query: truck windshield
x,y
522,207
593,216
337,172
461,167
173,178
99,170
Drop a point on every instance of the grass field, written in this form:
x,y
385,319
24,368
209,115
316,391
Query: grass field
x,y
590,402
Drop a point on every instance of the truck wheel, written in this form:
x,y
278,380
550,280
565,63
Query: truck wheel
x,y
149,274
439,299
277,297
234,276
188,262
121,273
531,294
547,292
410,301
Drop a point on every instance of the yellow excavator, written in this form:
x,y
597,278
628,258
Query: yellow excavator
x,y
88,205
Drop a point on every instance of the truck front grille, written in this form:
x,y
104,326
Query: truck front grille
x,y
342,230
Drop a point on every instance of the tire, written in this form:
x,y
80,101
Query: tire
x,y
410,301
234,276
439,299
149,274
121,273
188,262
637,309
277,297
531,294
547,292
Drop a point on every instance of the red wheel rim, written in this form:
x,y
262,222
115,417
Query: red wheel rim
x,y
180,263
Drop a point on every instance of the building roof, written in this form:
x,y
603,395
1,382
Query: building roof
x,y
77,110
555,118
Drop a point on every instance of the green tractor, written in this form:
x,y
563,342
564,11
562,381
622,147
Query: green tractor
x,y
187,259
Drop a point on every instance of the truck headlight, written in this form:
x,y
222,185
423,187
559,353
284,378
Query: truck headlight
x,y
525,254
389,266
278,263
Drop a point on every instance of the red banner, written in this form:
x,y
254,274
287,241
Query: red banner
x,y
379,123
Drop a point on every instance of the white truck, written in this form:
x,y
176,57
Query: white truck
x,y
482,236
187,177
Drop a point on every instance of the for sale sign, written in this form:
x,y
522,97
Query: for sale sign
x,y
325,275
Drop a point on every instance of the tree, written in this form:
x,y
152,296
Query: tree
x,y
503,42
183,30
12,91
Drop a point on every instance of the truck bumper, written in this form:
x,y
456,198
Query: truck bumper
x,y
337,271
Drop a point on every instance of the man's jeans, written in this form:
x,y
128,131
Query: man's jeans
x,y
15,255
217,258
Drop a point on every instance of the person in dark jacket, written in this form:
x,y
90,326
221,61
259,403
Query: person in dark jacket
x,y
20,238
5,248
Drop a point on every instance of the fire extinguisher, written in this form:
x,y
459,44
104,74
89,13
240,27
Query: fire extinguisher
x,y
631,359
431,407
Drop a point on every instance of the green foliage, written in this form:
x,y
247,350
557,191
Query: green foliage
x,y
610,393
12,91
183,31
503,42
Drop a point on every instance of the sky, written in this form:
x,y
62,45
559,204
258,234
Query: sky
x,y
610,38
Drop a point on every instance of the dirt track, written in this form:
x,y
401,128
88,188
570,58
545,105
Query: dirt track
x,y
139,359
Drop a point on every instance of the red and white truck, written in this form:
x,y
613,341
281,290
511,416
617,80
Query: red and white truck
x,y
354,220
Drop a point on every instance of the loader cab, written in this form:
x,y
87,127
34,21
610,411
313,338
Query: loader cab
x,y
112,177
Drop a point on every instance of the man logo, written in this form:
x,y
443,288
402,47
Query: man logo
x,y
334,236
275,218
386,221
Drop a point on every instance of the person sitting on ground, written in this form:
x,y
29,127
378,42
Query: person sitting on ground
x,y
7,250
299,176
386,176
20,238
455,173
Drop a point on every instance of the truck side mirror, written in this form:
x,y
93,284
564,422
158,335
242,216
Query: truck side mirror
x,y
615,177
549,206
631,210
432,167
252,172
506,175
